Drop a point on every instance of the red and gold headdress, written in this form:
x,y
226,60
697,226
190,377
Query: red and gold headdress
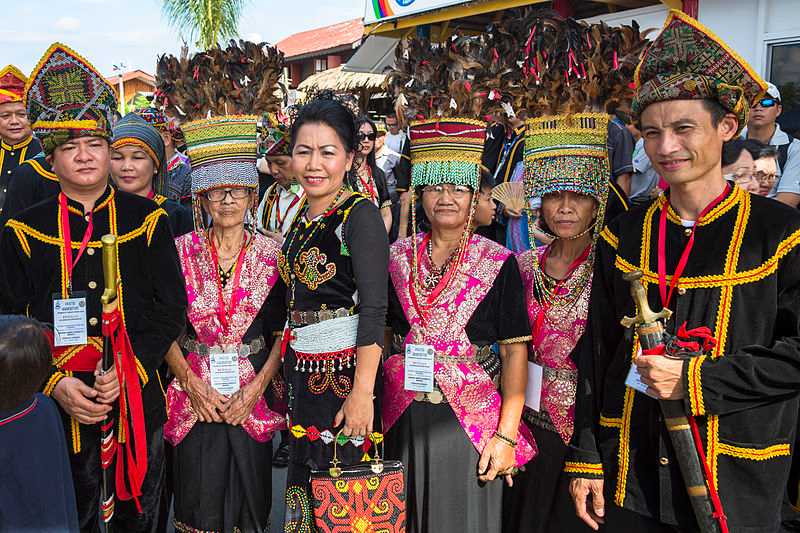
x,y
12,84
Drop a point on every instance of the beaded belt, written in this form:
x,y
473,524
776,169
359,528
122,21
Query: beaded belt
x,y
192,345
325,346
315,317
484,356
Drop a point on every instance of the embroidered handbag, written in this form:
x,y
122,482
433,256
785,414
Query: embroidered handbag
x,y
368,497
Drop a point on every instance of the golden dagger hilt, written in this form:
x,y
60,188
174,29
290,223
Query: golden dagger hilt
x,y
644,314
110,272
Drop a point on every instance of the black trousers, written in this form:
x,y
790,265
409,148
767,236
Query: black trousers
x,y
87,478
619,520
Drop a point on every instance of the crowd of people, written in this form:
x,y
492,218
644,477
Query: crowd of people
x,y
323,290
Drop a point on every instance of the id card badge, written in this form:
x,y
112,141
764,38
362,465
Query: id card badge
x,y
69,320
224,369
419,368
634,380
533,391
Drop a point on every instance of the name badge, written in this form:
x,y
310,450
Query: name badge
x,y
69,321
634,380
533,392
224,372
419,368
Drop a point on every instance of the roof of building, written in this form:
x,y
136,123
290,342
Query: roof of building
x,y
321,39
133,75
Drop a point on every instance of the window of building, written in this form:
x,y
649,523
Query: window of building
x,y
784,71
320,65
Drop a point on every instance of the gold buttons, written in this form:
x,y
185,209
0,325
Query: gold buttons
x,y
93,321
681,291
90,251
687,232
92,285
663,461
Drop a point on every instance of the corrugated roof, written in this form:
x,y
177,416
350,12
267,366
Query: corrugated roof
x,y
307,42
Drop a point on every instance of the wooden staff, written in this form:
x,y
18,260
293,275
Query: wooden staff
x,y
650,331
108,443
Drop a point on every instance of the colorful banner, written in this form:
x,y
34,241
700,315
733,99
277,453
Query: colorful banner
x,y
383,10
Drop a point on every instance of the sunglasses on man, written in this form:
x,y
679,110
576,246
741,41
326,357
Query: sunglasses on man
x,y
769,102
366,136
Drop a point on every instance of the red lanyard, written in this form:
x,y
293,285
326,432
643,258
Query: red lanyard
x,y
368,186
221,311
543,304
278,218
151,194
64,214
662,255
437,291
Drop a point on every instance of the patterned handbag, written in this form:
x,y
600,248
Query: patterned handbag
x,y
368,497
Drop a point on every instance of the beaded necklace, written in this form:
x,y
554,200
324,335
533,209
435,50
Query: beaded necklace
x,y
432,278
289,257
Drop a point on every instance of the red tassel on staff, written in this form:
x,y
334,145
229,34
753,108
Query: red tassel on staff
x,y
131,457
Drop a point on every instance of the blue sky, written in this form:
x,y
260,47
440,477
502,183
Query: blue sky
x,y
134,31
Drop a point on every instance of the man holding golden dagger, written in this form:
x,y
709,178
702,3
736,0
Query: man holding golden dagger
x,y
53,271
724,266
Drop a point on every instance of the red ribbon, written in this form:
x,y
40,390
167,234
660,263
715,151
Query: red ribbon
x,y
223,313
443,283
537,326
684,335
67,232
662,238
131,457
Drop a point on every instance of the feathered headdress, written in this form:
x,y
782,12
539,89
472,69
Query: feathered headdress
x,y
243,78
568,66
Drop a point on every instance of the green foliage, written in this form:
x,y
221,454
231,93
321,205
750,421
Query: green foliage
x,y
207,20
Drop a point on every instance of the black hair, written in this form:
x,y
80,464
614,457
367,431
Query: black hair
x,y
25,360
731,151
716,110
760,150
326,110
487,180
360,122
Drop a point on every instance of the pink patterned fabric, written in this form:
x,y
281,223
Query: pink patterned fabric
x,y
561,328
259,272
466,385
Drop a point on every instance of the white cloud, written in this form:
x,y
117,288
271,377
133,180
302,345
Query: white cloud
x,y
254,37
68,24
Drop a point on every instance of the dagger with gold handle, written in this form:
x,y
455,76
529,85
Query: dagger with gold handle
x,y
650,332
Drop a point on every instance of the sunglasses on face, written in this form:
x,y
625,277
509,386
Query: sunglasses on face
x,y
768,102
366,136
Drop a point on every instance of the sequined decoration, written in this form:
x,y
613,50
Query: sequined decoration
x,y
563,325
307,268
340,384
298,511
316,362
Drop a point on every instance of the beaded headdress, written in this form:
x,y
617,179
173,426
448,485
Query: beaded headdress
x,y
67,98
567,153
447,150
155,117
133,130
12,84
688,62
222,151
276,136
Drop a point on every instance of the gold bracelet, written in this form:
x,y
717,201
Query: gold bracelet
x,y
507,440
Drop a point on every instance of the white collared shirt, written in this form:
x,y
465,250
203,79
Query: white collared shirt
x,y
289,201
